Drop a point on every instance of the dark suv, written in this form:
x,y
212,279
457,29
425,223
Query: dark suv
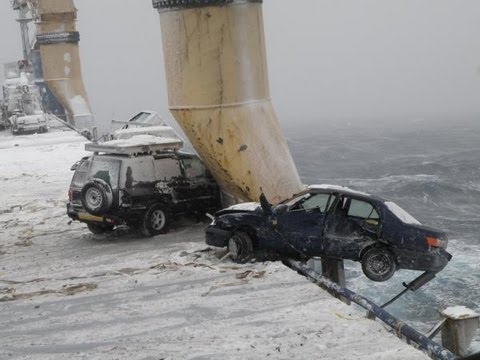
x,y
143,190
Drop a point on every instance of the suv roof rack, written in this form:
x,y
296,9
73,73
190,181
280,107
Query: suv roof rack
x,y
142,144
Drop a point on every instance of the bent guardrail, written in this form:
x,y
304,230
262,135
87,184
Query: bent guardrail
x,y
434,350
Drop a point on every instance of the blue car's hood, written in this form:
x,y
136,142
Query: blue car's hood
x,y
241,208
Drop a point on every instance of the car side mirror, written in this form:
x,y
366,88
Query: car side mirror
x,y
280,209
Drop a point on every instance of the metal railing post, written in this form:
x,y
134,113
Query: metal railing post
x,y
460,326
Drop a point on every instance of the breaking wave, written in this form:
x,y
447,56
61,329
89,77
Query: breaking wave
x,y
439,192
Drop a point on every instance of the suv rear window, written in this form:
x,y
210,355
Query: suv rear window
x,y
106,169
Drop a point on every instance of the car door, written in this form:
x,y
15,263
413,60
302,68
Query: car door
x,y
351,225
138,177
301,225
198,186
169,179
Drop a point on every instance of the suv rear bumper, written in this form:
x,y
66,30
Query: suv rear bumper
x,y
79,214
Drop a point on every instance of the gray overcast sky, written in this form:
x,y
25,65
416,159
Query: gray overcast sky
x,y
327,58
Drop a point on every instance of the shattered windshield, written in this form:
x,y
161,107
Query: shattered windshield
x,y
309,201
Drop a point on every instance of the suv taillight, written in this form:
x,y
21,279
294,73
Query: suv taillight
x,y
70,195
125,199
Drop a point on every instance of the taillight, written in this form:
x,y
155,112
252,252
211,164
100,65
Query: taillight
x,y
125,200
435,242
70,195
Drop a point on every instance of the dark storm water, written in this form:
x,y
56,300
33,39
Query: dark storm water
x,y
431,169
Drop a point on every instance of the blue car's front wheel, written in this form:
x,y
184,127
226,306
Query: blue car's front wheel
x,y
378,264
240,246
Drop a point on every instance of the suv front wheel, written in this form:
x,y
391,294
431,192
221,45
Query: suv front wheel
x,y
155,221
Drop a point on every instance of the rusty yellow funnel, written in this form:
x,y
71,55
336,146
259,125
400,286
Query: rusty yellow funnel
x,y
218,91
58,41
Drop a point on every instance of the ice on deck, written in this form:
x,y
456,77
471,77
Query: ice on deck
x,y
163,297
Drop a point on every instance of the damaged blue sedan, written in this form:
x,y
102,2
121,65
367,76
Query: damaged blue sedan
x,y
331,221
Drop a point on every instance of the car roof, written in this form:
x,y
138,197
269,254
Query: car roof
x,y
336,189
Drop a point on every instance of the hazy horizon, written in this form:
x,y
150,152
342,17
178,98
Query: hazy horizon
x,y
327,59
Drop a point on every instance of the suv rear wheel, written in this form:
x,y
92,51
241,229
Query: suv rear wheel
x,y
156,220
97,197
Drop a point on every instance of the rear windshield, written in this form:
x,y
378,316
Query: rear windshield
x,y
401,214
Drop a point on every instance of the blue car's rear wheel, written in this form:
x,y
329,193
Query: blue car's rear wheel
x,y
240,246
378,264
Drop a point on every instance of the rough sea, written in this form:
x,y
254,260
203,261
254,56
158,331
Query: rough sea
x,y
431,168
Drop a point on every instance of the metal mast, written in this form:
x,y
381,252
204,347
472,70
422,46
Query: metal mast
x,y
23,9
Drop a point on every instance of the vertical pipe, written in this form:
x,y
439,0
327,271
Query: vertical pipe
x,y
24,30
218,90
58,41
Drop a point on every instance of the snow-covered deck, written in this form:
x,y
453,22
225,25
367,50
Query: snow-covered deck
x,y
74,295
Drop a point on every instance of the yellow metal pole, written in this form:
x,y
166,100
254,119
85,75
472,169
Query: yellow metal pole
x,y
218,91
